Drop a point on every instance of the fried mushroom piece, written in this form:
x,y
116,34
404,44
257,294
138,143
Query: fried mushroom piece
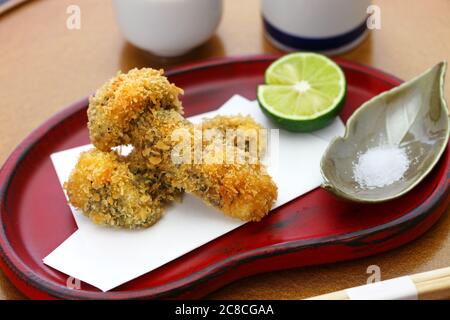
x,y
245,192
116,106
240,190
142,108
105,190
250,131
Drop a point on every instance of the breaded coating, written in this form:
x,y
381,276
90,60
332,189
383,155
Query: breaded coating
x,y
245,192
122,100
224,123
142,108
244,125
105,190
242,191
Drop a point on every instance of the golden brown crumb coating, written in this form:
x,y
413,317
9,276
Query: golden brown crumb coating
x,y
241,190
244,191
123,99
141,108
251,132
105,190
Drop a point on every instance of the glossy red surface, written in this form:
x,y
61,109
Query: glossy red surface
x,y
315,228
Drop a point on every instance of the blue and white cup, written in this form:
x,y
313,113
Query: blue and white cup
x,y
325,26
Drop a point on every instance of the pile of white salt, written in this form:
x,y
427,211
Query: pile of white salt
x,y
380,166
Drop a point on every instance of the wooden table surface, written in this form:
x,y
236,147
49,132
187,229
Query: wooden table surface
x,y
44,67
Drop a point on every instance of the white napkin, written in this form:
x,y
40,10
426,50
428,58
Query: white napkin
x,y
106,257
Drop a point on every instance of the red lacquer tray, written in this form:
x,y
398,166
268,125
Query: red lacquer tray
x,y
314,229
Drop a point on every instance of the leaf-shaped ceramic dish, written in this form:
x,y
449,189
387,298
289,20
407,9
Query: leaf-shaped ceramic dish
x,y
412,116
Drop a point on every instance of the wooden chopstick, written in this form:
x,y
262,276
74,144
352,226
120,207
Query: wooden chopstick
x,y
8,5
437,289
431,285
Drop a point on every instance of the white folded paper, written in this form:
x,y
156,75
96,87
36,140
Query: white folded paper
x,y
106,257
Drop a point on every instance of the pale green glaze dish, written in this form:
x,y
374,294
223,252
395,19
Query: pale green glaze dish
x,y
413,116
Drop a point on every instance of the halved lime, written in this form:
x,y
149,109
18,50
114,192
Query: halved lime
x,y
303,91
